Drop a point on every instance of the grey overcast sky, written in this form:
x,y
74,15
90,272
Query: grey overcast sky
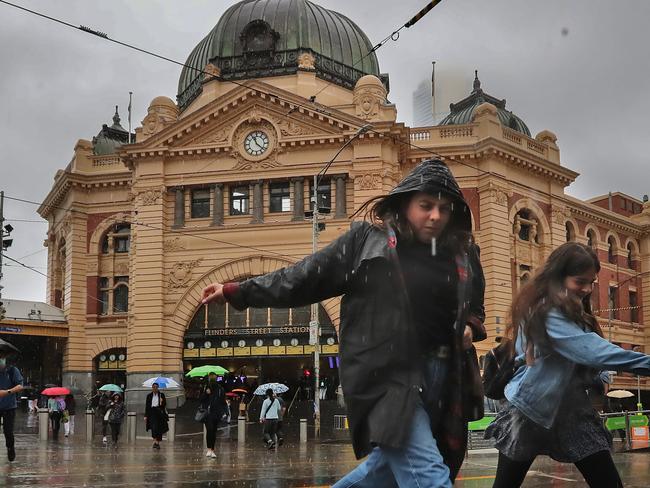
x,y
579,68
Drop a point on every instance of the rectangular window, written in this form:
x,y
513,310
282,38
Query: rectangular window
x,y
279,197
259,317
122,244
200,204
324,194
121,298
103,296
236,318
634,312
613,302
239,200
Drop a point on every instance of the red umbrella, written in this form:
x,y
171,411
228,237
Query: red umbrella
x,y
232,394
56,391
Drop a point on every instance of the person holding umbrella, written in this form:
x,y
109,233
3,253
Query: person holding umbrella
x,y
56,406
155,414
213,399
11,382
412,305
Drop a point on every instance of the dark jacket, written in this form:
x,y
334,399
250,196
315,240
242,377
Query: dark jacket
x,y
162,407
118,411
70,404
381,372
214,402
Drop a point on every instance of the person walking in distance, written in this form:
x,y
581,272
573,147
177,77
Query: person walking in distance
x,y
56,406
70,408
116,414
213,399
412,305
269,417
155,415
11,383
559,352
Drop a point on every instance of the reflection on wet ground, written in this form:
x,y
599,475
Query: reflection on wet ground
x,y
71,462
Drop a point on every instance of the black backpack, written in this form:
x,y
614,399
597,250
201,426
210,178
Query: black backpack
x,y
498,370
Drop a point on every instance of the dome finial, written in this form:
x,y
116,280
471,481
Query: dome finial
x,y
116,117
477,82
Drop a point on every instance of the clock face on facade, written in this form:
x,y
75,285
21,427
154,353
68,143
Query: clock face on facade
x,y
256,143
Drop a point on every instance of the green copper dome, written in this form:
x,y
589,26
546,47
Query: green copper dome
x,y
260,38
463,111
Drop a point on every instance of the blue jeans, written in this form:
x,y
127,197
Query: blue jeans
x,y
418,462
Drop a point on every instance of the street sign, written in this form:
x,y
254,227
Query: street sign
x,y
313,333
616,423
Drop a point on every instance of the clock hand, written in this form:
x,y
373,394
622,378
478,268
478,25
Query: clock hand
x,y
253,145
261,145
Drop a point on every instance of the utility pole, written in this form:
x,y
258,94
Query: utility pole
x,y
2,248
314,325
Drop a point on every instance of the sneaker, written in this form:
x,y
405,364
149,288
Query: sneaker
x,y
105,440
271,445
213,455
11,454
209,453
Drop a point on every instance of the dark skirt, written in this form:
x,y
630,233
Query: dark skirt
x,y
158,422
578,432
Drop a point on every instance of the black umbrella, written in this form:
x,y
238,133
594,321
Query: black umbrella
x,y
7,348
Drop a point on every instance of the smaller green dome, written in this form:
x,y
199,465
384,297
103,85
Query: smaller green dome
x,y
463,111
110,138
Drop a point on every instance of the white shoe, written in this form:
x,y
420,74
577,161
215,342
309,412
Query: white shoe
x,y
209,453
105,440
213,454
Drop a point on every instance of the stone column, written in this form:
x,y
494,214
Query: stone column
x,y
179,208
217,205
341,211
258,202
298,199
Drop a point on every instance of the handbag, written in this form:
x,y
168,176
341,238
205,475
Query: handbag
x,y
498,370
201,414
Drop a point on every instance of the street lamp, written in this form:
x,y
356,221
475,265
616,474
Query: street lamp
x,y
314,326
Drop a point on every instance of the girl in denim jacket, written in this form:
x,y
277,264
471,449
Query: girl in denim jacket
x,y
560,350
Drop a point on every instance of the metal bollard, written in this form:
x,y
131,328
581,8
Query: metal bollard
x,y
43,423
130,426
303,430
90,424
241,429
171,433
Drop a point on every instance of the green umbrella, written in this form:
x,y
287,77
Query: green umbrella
x,y
206,370
111,387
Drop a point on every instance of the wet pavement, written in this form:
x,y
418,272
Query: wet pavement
x,y
71,462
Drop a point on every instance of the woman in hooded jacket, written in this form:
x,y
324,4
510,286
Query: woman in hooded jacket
x,y
412,304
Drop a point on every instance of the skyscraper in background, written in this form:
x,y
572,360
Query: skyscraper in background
x,y
423,105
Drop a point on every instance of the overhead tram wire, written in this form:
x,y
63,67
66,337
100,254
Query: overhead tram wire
x,y
312,107
394,36
22,264
153,227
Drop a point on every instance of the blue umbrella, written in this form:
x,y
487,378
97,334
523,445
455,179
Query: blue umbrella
x,y
163,382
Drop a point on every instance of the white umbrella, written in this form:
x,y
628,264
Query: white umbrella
x,y
163,382
276,387
620,394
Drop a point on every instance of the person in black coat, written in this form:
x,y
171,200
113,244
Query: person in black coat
x,y
213,399
413,288
155,415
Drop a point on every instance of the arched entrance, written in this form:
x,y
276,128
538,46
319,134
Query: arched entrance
x,y
109,366
261,345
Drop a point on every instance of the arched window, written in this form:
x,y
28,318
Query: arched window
x,y
630,255
570,232
117,239
526,226
121,294
611,249
591,239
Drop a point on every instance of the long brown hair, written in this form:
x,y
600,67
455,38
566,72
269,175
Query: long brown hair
x,y
389,212
546,291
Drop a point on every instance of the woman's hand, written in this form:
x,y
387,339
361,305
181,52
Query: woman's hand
x,y
213,293
468,337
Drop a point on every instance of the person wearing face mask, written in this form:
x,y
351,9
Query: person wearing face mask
x,y
11,382
213,399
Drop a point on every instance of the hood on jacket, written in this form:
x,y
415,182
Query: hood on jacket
x,y
434,177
